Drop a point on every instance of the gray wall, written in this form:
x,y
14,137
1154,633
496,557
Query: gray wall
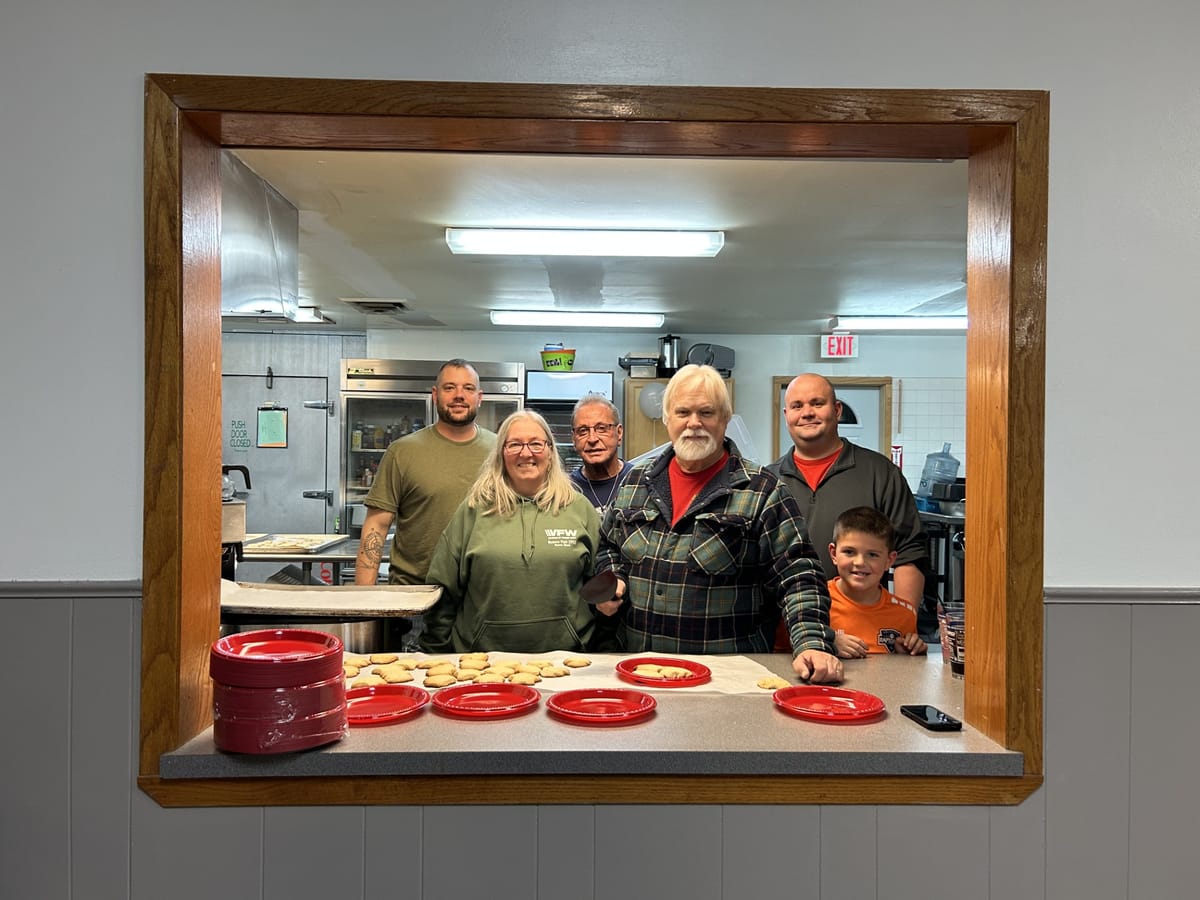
x,y
1124,199
1114,819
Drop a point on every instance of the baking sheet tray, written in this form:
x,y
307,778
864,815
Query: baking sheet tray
x,y
291,543
340,600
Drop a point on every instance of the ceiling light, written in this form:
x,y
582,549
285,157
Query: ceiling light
x,y
577,319
583,242
898,323
309,315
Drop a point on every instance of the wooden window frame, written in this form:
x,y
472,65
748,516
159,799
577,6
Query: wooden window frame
x,y
1003,135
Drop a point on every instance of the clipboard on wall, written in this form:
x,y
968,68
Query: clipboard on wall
x,y
272,426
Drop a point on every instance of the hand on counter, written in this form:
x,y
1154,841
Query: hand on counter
x,y
817,667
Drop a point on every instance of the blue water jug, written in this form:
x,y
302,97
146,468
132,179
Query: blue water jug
x,y
939,467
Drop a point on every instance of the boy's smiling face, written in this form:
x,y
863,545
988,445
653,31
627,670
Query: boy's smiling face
x,y
861,559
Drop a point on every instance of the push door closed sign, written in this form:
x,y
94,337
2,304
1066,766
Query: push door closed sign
x,y
839,346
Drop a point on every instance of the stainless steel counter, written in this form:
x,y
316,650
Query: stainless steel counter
x,y
691,732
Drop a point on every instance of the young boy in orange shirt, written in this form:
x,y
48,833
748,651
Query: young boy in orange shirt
x,y
865,616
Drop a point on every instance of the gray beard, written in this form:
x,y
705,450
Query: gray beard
x,y
689,450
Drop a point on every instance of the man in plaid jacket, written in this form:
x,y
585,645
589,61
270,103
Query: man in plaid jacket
x,y
709,548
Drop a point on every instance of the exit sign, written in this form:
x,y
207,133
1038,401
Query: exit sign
x,y
839,346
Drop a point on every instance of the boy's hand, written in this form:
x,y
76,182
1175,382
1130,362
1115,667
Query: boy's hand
x,y
912,644
849,647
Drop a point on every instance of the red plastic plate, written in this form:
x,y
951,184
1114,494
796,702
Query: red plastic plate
x,y
828,704
280,657
384,703
601,706
485,701
701,673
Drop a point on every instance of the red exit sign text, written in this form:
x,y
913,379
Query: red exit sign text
x,y
839,346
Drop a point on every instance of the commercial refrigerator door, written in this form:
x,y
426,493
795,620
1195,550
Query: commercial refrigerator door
x,y
371,422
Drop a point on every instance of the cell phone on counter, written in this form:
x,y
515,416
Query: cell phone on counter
x,y
931,717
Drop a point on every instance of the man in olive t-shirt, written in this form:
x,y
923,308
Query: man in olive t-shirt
x,y
422,479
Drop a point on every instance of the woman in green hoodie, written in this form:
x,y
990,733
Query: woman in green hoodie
x,y
515,554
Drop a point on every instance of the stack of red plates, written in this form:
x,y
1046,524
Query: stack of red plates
x,y
277,691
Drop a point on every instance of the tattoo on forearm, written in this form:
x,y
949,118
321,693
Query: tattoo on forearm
x,y
370,551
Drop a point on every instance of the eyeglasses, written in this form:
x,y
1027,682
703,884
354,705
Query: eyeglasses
x,y
601,430
537,448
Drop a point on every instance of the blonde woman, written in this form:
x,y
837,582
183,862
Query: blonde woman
x,y
515,553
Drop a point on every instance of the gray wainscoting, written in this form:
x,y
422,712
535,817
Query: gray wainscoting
x,y
1113,820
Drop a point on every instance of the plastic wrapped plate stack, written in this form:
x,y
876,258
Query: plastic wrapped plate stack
x,y
277,691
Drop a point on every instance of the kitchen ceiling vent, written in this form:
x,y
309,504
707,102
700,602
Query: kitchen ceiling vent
x,y
396,309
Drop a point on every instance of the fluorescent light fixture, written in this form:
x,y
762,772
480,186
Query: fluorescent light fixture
x,y
898,323
577,319
309,315
584,242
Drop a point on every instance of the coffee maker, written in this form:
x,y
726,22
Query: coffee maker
x,y
668,355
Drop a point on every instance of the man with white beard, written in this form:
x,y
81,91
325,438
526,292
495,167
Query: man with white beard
x,y
709,548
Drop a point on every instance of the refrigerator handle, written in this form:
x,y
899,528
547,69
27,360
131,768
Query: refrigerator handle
x,y
327,496
326,405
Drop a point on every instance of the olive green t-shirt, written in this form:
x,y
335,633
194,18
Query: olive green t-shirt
x,y
421,480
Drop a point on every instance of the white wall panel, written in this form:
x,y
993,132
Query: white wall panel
x,y
1164,785
455,863
1087,751
849,846
660,852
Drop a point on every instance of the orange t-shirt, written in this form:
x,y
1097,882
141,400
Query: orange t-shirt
x,y
879,624
813,470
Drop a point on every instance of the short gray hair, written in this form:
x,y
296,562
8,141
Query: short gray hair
x,y
592,399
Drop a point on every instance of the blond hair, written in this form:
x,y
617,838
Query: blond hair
x,y
708,380
492,492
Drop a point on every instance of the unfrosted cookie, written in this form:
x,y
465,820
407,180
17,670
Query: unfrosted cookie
x,y
524,678
430,663
473,662
673,673
477,654
773,683
576,662
466,674
529,669
540,663
383,659
489,678
554,671
441,669
647,670
367,681
502,671
359,662
507,663
349,671
437,681
393,674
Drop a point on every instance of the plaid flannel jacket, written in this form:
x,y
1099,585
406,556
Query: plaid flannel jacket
x,y
715,582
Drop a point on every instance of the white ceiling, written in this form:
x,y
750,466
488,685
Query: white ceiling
x,y
804,239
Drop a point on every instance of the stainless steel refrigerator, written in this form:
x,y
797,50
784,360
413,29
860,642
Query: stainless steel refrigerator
x,y
384,399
